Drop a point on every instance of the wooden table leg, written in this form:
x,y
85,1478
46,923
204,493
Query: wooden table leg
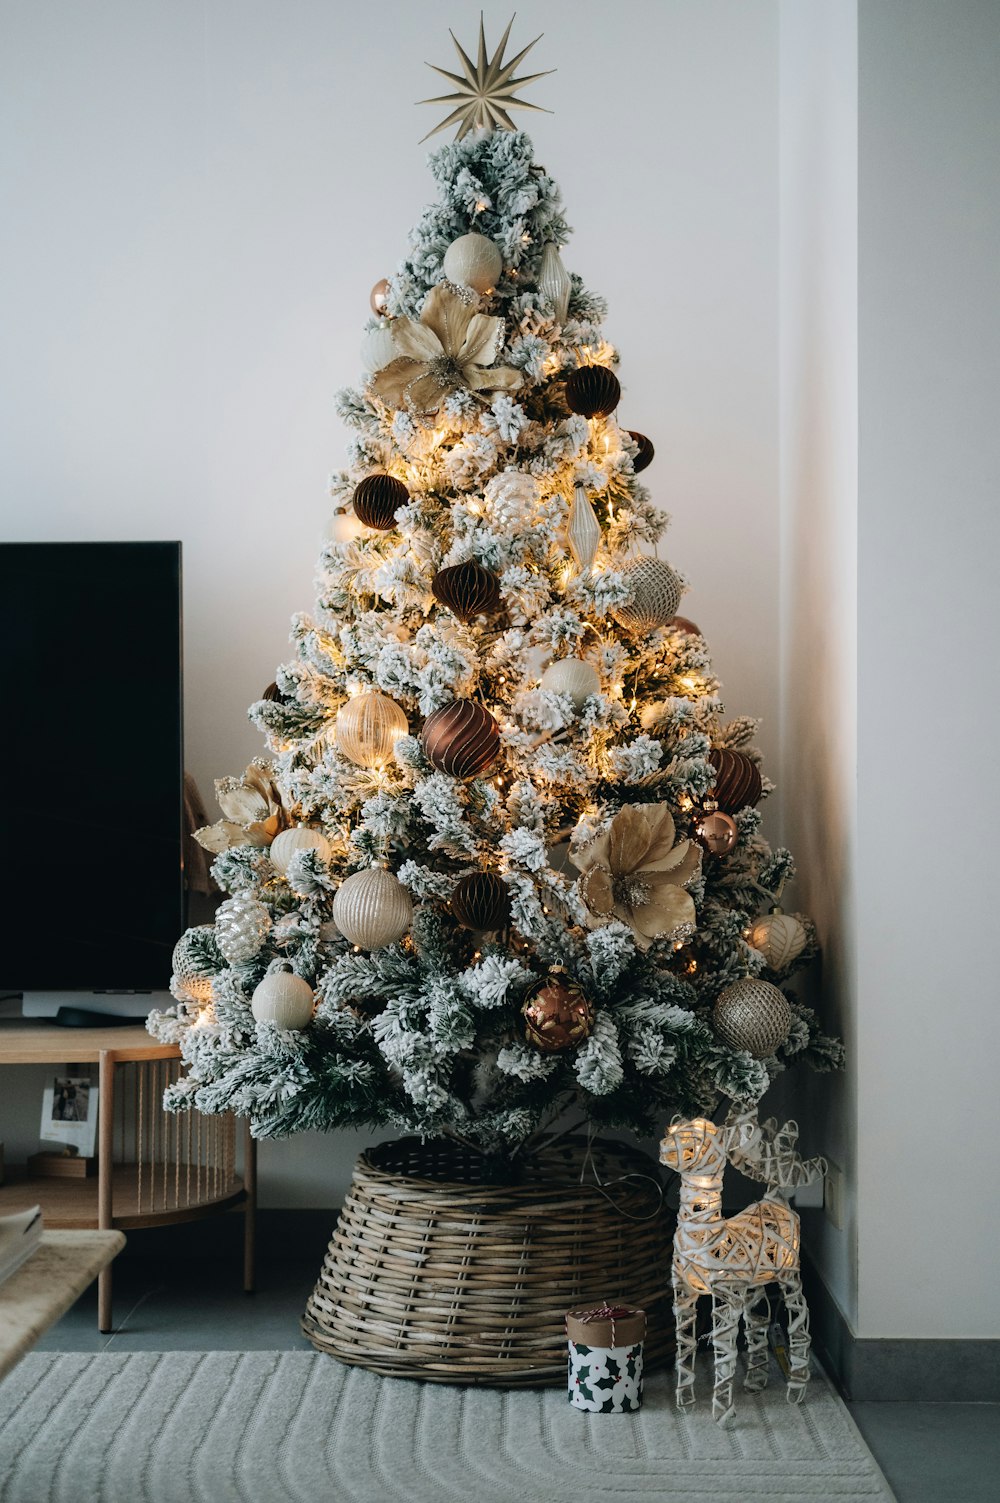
x,y
249,1210
105,1180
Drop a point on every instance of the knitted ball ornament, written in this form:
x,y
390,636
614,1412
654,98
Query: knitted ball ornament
x,y
753,1015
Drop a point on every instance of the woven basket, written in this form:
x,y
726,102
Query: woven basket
x,y
433,1273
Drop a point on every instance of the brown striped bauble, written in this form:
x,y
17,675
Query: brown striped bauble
x,y
377,500
753,1015
461,738
681,623
481,901
468,590
644,458
737,779
557,1014
275,696
592,391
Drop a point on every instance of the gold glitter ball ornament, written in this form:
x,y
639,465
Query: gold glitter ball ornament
x,y
557,1014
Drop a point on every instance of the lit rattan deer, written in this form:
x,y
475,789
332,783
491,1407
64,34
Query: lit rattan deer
x,y
734,1259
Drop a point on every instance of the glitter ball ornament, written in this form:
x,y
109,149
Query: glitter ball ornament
x,y
372,908
656,594
461,738
592,391
367,728
753,1015
192,964
716,832
779,937
299,838
379,298
644,458
283,998
467,589
554,281
473,261
241,927
573,677
481,901
557,1014
377,499
737,780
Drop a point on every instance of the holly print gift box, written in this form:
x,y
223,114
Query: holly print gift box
x,y
605,1358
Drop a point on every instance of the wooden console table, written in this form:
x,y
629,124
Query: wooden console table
x,y
153,1168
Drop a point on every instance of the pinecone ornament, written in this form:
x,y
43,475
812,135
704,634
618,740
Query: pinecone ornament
x,y
242,925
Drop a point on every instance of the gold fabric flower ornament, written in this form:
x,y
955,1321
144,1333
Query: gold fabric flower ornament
x,y
251,809
451,348
636,871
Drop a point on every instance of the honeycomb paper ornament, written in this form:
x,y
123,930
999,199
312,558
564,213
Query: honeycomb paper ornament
x,y
298,838
583,530
656,594
368,727
473,261
644,451
753,1015
481,902
572,676
377,499
242,925
779,937
467,589
283,998
554,282
592,391
372,908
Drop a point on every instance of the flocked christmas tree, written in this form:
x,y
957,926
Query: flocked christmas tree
x,y
505,858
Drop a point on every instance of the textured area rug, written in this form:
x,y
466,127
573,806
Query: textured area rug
x,y
297,1427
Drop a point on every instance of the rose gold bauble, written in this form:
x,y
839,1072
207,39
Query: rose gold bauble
x,y
716,833
379,299
557,1014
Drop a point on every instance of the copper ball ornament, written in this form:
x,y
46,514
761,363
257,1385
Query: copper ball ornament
x,y
468,590
379,299
753,1015
461,738
644,458
557,1015
481,901
377,500
737,779
682,624
716,832
592,391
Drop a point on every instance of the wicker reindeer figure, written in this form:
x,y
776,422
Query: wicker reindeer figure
x,y
734,1259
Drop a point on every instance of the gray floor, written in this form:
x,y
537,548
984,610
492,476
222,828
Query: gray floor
x,y
173,1294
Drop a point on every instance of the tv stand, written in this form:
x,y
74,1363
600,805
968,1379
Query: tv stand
x,y
153,1168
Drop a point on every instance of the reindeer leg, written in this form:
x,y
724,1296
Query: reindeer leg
x,y
757,1316
798,1336
727,1306
685,1321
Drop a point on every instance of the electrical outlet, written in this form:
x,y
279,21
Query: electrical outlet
x,y
808,1195
833,1195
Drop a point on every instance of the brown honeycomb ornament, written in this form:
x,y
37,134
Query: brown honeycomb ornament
x,y
481,901
737,779
461,738
275,695
377,500
468,590
644,458
592,391
557,1014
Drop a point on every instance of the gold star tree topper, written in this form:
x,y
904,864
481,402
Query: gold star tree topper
x,y
486,92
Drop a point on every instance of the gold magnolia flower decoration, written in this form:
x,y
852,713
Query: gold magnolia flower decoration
x,y
636,872
251,809
451,348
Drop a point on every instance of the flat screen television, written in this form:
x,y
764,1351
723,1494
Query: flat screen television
x,y
90,661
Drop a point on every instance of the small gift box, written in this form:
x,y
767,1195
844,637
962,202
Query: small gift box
x,y
605,1358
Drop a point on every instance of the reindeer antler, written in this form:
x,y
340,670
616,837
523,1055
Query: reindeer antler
x,y
767,1153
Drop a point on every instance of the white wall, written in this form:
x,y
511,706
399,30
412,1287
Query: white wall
x,y
198,197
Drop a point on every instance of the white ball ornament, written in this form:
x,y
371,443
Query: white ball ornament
x,y
368,727
283,998
299,838
378,349
656,594
473,261
372,908
779,937
574,677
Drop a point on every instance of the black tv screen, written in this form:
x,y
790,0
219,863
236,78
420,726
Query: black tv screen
x,y
90,648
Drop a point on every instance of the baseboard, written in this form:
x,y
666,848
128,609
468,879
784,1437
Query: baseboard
x,y
910,1370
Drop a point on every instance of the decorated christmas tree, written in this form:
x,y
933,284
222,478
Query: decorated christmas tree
x,y
504,859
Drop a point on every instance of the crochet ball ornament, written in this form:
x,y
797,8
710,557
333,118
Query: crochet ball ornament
x,y
656,594
372,908
461,738
379,299
300,838
737,780
481,901
283,998
473,261
377,500
779,937
241,927
592,391
573,677
752,1015
468,590
556,1014
716,833
367,728
644,458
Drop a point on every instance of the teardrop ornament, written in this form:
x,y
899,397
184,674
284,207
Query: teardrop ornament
x,y
554,282
583,530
